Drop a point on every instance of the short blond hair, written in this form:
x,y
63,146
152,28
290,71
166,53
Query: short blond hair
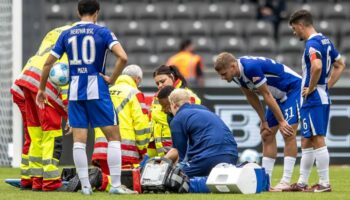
x,y
179,97
223,60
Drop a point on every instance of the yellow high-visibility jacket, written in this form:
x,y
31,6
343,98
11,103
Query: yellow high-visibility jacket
x,y
31,73
45,149
133,120
161,131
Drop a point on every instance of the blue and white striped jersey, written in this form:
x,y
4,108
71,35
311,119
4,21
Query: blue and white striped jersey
x,y
318,47
279,78
86,45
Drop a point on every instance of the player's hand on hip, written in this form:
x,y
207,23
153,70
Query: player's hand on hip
x,y
68,130
306,91
286,129
41,98
106,78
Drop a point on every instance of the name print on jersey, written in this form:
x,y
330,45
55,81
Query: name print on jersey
x,y
82,31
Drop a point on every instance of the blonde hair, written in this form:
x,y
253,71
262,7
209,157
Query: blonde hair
x,y
179,97
223,60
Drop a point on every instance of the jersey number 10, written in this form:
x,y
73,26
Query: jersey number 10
x,y
87,58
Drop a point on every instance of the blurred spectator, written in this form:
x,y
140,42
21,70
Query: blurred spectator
x,y
271,10
189,64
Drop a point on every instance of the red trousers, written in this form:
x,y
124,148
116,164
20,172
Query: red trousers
x,y
44,127
19,99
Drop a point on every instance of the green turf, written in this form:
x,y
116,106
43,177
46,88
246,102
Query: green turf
x,y
340,180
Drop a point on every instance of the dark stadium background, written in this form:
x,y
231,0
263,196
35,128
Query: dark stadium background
x,y
150,31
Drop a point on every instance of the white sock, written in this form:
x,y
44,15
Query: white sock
x,y
322,164
268,164
81,163
288,167
306,163
114,162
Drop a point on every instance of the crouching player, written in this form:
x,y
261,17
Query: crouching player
x,y
280,88
201,140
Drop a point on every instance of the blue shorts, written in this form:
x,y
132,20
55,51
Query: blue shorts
x,y
314,120
97,113
203,167
289,109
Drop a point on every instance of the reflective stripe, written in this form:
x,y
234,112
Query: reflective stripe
x,y
100,150
157,140
36,83
128,142
50,162
161,139
126,100
142,142
25,172
167,148
30,79
38,72
51,174
25,161
130,153
64,91
161,150
133,143
101,139
35,70
17,89
35,159
144,106
36,172
143,131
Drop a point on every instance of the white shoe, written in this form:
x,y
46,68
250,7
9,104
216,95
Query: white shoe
x,y
280,187
86,191
121,190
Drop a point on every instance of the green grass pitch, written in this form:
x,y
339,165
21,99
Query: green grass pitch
x,y
340,180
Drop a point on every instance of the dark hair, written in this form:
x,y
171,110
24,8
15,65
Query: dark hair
x,y
88,7
170,70
165,92
302,16
184,44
